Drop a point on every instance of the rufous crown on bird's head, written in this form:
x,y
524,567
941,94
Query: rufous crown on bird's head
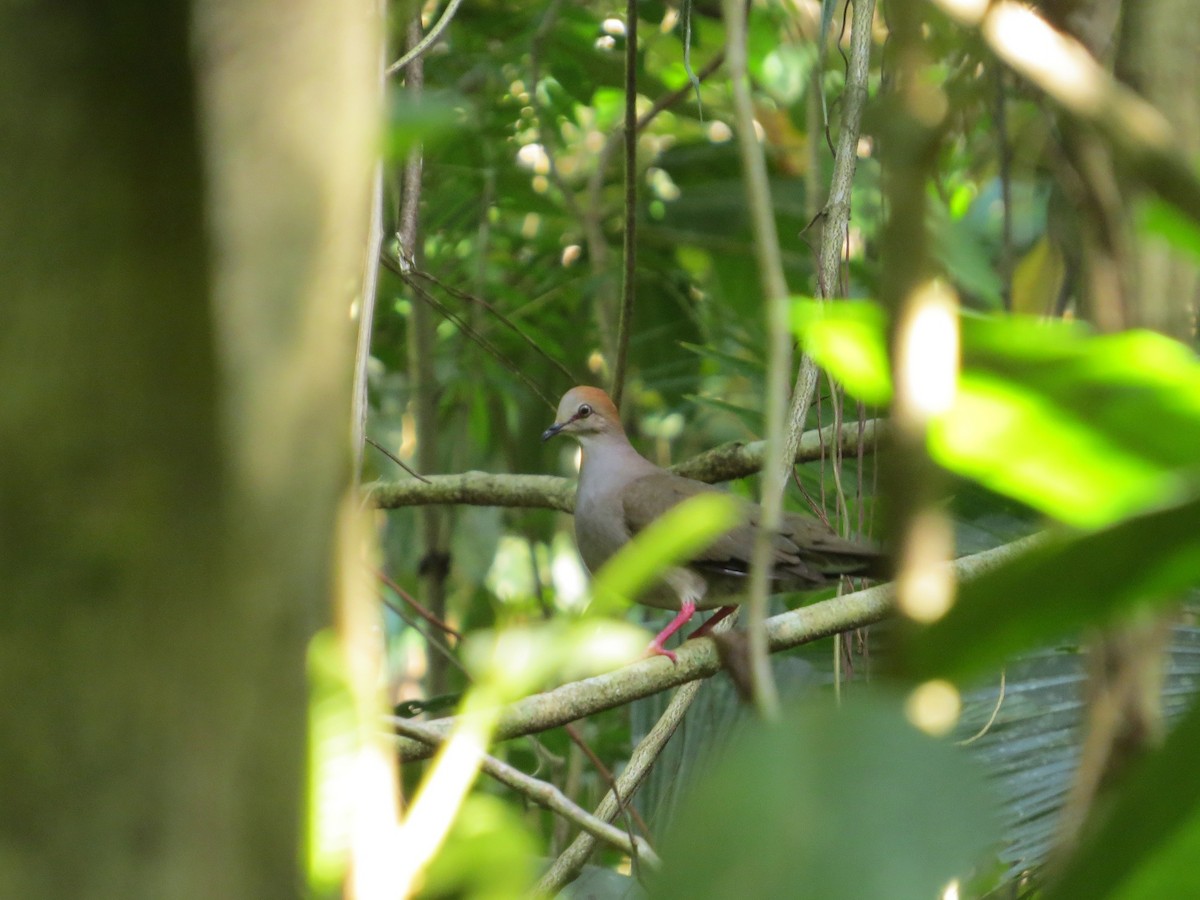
x,y
584,410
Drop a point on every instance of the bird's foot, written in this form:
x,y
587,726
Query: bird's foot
x,y
656,648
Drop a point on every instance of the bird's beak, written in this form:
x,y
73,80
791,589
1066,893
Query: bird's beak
x,y
553,430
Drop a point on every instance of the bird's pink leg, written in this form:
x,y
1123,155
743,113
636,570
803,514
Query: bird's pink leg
x,y
686,611
716,617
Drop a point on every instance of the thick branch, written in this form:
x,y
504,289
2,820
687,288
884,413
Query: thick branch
x,y
476,489
698,658
724,463
737,460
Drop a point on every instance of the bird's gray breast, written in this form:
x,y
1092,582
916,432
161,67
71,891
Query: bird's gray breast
x,y
599,528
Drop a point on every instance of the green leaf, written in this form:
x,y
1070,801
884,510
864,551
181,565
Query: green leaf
x,y
848,340
1020,443
1160,219
489,854
674,537
1148,845
1083,428
833,803
1065,583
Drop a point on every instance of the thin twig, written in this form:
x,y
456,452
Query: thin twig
x,y
541,792
496,313
435,642
836,213
629,268
417,607
399,268
568,864
606,774
991,719
422,46
779,351
422,377
397,460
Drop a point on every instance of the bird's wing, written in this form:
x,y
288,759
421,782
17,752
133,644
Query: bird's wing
x,y
649,497
805,551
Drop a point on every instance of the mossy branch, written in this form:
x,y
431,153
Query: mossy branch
x,y
724,463
698,659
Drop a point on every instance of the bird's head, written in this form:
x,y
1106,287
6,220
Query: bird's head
x,y
585,411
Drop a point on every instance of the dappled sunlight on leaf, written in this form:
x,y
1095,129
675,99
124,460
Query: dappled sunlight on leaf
x,y
1083,428
848,340
518,660
1016,443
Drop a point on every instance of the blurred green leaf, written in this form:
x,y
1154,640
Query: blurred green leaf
x,y
515,661
334,743
1160,219
848,340
674,537
488,855
1149,842
1065,583
430,121
834,803
1016,442
1084,428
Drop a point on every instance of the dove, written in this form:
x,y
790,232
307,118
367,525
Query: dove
x,y
620,492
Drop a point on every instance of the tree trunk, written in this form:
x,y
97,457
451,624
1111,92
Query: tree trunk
x,y
180,245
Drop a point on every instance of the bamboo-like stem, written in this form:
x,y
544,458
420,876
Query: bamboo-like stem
x,y
421,340
779,349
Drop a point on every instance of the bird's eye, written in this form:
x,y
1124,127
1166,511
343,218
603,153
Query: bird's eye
x,y
584,411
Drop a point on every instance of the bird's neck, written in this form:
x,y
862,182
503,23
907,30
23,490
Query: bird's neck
x,y
610,462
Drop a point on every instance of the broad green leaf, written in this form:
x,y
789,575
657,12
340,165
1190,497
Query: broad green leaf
x,y
1083,428
1149,842
675,536
1019,442
848,340
834,803
1064,584
1160,219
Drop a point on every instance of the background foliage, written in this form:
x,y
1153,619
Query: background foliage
x,y
522,210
